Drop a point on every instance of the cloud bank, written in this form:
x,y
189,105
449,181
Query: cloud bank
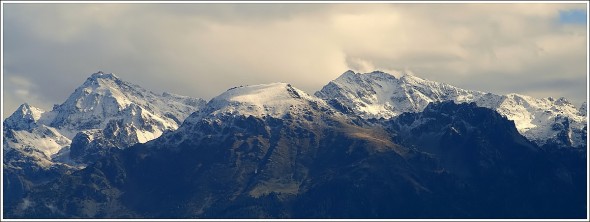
x,y
201,50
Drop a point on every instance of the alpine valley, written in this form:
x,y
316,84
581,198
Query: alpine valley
x,y
367,145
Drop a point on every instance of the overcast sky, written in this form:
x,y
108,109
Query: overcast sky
x,y
201,50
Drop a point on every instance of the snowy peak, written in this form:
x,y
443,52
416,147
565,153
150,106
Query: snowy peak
x,y
261,94
98,90
24,118
103,84
352,77
99,97
103,97
377,74
348,74
255,109
562,101
583,109
379,94
27,111
275,99
102,75
118,112
382,95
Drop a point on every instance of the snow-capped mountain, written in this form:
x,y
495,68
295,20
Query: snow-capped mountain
x,y
544,120
382,95
379,94
111,110
279,101
253,152
104,97
273,151
28,138
274,99
24,118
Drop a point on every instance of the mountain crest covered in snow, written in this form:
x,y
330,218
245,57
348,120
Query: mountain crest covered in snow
x,y
381,95
104,96
263,100
255,109
113,111
25,117
275,99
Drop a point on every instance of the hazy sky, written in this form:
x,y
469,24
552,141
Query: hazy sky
x,y
201,50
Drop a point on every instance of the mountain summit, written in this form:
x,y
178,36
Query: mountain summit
x,y
105,97
274,99
104,112
256,104
382,95
25,117
379,94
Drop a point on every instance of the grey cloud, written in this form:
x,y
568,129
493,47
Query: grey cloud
x,y
255,12
201,50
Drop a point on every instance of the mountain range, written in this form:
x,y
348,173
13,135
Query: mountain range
x,y
383,95
372,145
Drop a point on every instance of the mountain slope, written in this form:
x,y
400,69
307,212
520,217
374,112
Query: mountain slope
x,y
104,97
292,156
24,118
104,112
273,151
378,94
382,95
263,102
103,104
234,150
275,99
